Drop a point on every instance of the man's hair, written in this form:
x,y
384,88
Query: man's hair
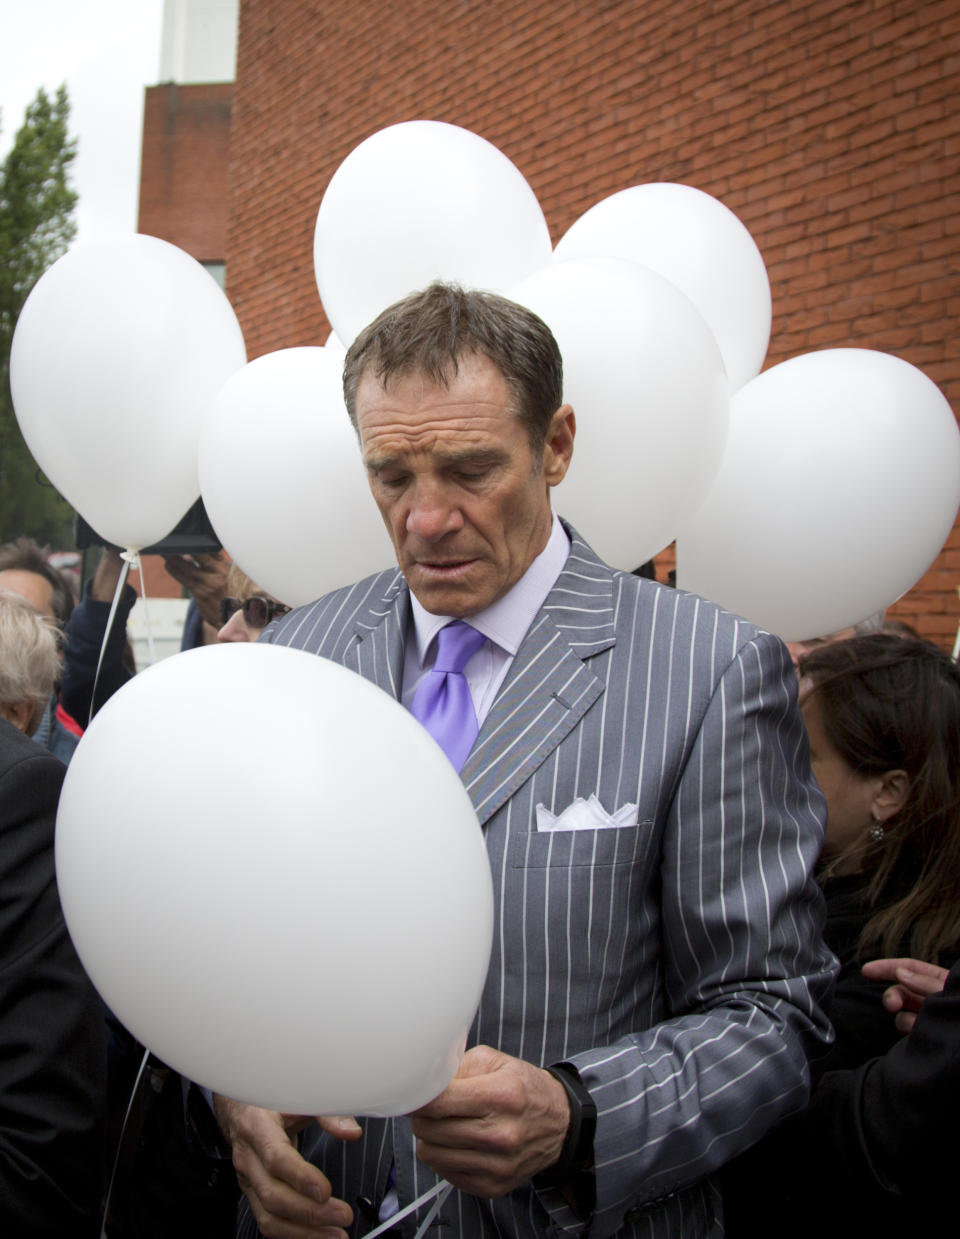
x,y
29,657
430,331
25,555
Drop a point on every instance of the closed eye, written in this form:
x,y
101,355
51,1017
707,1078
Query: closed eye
x,y
391,478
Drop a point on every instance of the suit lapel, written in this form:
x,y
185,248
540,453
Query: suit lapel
x,y
377,641
549,686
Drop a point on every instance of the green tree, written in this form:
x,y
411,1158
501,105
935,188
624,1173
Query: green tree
x,y
36,226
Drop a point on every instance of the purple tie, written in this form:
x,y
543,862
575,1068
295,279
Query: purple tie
x,y
442,702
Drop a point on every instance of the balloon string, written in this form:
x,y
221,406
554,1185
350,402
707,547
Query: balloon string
x,y
123,1132
441,1190
133,557
106,635
434,1210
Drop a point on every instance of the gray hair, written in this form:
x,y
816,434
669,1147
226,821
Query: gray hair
x,y
29,654
429,331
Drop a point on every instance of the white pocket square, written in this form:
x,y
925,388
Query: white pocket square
x,y
586,815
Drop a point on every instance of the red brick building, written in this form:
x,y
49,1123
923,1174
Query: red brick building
x,y
184,167
831,128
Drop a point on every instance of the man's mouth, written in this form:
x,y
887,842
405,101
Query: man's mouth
x,y
444,566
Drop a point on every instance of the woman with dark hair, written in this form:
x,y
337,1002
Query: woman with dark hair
x,y
883,718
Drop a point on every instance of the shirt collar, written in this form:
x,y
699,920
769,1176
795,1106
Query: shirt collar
x,y
507,620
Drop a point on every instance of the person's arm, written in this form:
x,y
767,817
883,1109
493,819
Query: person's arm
x,y
204,576
52,1034
287,1195
744,967
83,639
890,1126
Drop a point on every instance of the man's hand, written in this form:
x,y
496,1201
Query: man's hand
x,y
914,981
205,576
498,1123
290,1199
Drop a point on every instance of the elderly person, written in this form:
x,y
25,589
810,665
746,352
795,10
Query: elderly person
x,y
52,1040
24,570
30,662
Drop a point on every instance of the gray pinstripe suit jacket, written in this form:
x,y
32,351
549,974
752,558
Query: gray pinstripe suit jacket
x,y
676,962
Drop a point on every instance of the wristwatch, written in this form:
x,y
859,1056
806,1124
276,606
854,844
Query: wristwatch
x,y
572,1173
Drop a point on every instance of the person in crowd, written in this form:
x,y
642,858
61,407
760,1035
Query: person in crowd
x,y
83,639
204,574
883,1135
636,759
247,609
52,1039
900,628
883,716
25,570
800,649
874,623
913,980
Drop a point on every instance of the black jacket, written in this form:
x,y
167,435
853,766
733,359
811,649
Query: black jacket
x,y
52,1038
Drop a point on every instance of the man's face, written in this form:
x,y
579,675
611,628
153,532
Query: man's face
x,y
31,586
462,493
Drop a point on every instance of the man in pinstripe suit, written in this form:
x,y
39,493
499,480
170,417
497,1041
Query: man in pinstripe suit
x,y
641,776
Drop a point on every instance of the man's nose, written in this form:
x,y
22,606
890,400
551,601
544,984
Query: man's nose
x,y
432,514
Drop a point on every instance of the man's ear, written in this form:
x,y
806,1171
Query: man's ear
x,y
558,446
23,714
891,795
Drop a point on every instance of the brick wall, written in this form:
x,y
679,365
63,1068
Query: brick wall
x,y
830,127
184,191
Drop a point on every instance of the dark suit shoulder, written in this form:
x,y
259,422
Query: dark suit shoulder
x,y
30,782
52,1038
18,750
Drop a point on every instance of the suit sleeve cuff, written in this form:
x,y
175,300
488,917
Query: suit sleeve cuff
x,y
567,1189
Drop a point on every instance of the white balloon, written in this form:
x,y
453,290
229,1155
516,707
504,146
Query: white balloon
x,y
277,881
282,478
420,201
839,485
647,385
697,243
118,351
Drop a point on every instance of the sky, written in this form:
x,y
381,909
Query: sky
x,y
106,51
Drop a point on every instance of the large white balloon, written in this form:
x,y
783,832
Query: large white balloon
x,y
277,881
420,201
647,385
119,349
282,478
697,243
839,485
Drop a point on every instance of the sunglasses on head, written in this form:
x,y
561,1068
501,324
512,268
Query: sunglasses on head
x,y
257,611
